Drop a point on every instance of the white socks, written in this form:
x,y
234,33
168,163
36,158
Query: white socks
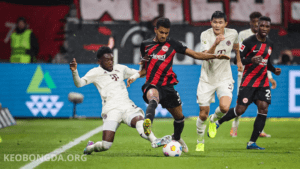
x,y
235,122
200,130
99,146
217,115
140,129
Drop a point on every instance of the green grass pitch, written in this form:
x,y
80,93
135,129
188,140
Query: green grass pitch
x,y
131,151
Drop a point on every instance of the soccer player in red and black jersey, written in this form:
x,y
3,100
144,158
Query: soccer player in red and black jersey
x,y
157,54
255,53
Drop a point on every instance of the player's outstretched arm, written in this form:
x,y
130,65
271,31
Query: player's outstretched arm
x,y
135,76
204,56
77,81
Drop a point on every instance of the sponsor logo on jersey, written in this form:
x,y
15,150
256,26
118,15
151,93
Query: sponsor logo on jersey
x,y
264,62
165,48
245,100
114,77
159,57
228,43
242,47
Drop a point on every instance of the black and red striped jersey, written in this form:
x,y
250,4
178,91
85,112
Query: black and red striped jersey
x,y
159,67
255,75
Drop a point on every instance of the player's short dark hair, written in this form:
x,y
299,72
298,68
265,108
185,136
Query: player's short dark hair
x,y
164,22
254,15
264,18
219,14
103,50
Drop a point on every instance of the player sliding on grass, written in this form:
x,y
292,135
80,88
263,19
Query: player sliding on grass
x,y
117,107
255,53
158,54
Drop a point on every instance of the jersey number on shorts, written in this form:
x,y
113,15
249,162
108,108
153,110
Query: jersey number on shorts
x,y
268,94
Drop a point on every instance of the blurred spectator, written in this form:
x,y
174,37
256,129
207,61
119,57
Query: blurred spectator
x,y
286,57
24,44
60,57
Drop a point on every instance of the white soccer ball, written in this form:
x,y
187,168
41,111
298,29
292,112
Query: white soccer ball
x,y
172,149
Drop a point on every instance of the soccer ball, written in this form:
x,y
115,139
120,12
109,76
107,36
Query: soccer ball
x,y
172,149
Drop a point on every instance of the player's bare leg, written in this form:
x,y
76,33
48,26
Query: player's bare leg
x,y
259,124
107,141
178,125
224,105
201,126
153,98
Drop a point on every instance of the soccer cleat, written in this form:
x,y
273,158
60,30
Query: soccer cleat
x,y
233,132
254,146
88,144
161,141
212,129
184,146
200,147
264,135
147,126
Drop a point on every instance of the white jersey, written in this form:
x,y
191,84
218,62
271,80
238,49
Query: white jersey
x,y
216,70
244,35
111,85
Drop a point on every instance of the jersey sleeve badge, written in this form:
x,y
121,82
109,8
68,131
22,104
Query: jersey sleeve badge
x,y
242,47
269,51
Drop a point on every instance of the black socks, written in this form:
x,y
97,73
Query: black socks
x,y
150,112
259,125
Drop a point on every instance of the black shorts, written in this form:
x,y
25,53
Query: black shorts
x,y
247,95
168,96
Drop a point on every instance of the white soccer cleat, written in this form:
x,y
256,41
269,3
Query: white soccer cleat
x,y
184,146
161,141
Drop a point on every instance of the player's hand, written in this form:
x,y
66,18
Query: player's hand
x,y
256,59
277,71
273,82
73,65
222,56
219,39
129,81
240,66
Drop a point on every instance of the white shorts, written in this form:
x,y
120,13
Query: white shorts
x,y
125,113
206,92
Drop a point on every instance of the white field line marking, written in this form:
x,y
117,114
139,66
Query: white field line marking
x,y
62,149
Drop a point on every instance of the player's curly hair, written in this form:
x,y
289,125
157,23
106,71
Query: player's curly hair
x,y
254,15
102,51
264,18
164,22
218,14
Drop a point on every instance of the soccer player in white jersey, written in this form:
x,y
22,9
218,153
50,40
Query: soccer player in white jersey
x,y
216,75
117,107
254,17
